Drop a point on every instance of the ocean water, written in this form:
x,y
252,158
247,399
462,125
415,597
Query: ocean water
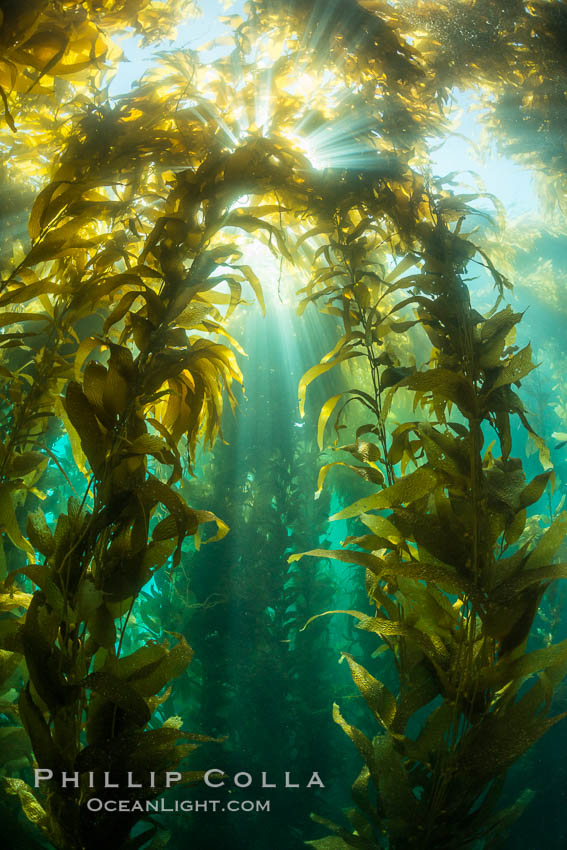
x,y
163,225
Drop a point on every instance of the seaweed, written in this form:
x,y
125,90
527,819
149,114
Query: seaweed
x,y
454,596
117,364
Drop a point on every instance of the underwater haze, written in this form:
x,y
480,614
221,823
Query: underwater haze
x,y
283,458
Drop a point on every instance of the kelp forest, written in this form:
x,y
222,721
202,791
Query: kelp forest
x,y
283,414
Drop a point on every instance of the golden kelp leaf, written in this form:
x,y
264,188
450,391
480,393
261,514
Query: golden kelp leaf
x,y
166,529
93,386
446,578
116,391
83,419
382,527
428,608
43,49
548,544
358,614
7,115
9,662
213,327
438,538
430,644
31,806
394,789
381,701
43,576
38,218
88,598
392,375
45,750
514,530
366,472
517,367
492,745
209,516
22,464
444,451
444,384
543,449
16,318
405,264
499,823
142,751
120,693
348,556
369,473
145,656
535,489
506,591
148,680
327,227
408,489
148,444
326,411
362,796
101,627
318,370
78,455
9,523
493,335
423,686
28,292
361,742
93,383
340,344
254,282
157,553
142,331
15,599
153,491
85,348
532,662
362,450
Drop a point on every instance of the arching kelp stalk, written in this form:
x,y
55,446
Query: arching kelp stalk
x,y
116,341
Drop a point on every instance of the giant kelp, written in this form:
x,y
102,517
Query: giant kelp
x,y
153,386
454,596
120,293
111,325
512,53
43,42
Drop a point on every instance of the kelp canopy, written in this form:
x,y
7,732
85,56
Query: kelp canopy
x,y
312,136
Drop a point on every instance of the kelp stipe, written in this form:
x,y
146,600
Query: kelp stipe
x,y
134,385
454,594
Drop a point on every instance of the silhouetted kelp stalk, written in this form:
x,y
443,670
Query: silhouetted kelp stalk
x,y
131,393
86,707
454,596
